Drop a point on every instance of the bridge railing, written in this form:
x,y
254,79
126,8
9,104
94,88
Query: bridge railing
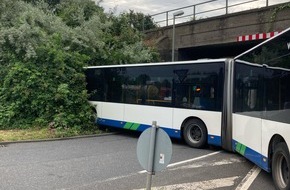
x,y
207,9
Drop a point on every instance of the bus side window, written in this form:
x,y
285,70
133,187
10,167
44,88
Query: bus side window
x,y
248,88
277,90
285,86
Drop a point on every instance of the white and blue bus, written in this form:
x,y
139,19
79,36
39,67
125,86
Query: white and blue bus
x,y
240,104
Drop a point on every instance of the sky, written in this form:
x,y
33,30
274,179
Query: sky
x,y
145,6
156,6
152,7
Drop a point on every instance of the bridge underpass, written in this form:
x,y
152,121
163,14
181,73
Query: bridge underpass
x,y
214,51
222,36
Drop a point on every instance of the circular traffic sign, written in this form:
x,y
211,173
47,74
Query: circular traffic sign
x,y
163,149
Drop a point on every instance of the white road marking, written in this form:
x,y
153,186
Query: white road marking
x,y
118,177
202,185
186,161
207,164
249,179
170,165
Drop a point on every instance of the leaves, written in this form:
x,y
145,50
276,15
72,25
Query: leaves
x,y
44,46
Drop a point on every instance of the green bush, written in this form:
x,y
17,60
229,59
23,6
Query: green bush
x,y
46,90
44,46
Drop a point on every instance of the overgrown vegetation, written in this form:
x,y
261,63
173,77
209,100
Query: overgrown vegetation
x,y
44,46
275,12
41,133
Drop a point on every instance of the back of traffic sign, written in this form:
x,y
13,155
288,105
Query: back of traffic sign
x,y
162,149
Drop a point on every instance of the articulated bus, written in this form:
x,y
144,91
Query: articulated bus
x,y
240,104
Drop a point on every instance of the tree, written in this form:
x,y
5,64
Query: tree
x,y
75,13
42,54
139,21
41,82
49,2
126,40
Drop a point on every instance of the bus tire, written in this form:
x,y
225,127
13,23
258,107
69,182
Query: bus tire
x,y
195,133
280,167
102,127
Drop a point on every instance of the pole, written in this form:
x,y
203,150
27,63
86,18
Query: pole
x,y
194,13
167,18
173,38
227,7
150,171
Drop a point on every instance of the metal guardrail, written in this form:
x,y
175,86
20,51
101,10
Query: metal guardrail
x,y
200,11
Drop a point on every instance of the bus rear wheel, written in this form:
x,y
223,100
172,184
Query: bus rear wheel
x,y
195,133
280,167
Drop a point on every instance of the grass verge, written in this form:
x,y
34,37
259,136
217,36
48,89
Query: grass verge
x,y
42,133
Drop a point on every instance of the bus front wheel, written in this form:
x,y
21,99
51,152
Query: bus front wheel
x,y
195,133
280,167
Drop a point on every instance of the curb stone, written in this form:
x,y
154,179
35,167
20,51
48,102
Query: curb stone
x,y
56,139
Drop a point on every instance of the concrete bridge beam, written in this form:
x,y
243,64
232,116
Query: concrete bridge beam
x,y
217,37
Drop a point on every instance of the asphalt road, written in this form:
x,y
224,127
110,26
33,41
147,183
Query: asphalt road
x,y
110,162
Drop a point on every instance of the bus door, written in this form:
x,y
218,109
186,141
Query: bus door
x,y
248,100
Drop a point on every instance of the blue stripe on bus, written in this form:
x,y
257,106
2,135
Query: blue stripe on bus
x,y
109,122
212,139
252,155
141,127
173,133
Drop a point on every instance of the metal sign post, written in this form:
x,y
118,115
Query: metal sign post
x,y
154,150
150,171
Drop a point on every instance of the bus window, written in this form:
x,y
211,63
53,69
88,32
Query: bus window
x,y
196,86
95,85
277,89
148,86
248,88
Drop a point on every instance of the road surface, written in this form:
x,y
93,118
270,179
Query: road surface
x,y
110,162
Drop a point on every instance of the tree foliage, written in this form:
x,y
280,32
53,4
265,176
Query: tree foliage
x,y
138,20
44,46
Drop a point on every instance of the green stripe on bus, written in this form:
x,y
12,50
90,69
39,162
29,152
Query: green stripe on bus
x,y
135,126
240,148
128,125
243,150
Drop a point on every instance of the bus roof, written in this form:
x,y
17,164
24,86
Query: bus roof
x,y
160,63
